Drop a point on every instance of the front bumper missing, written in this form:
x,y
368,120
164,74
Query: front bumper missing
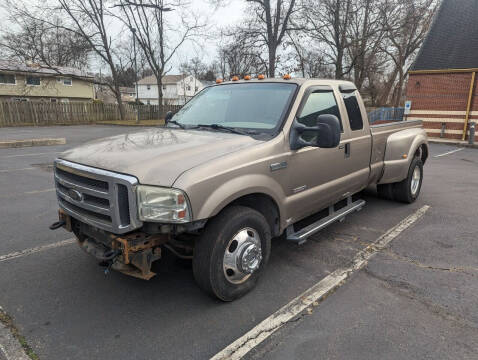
x,y
131,254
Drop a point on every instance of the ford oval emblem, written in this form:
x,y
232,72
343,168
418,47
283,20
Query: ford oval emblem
x,y
75,195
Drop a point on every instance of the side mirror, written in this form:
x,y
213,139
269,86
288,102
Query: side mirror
x,y
327,133
169,116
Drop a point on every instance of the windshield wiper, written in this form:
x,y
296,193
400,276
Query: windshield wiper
x,y
182,126
227,128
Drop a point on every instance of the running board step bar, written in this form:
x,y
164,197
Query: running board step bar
x,y
301,236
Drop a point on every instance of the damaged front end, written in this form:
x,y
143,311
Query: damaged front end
x,y
132,253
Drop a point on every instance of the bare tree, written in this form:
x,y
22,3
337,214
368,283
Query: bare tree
x,y
305,58
406,25
237,58
152,32
366,32
87,19
266,28
50,45
328,24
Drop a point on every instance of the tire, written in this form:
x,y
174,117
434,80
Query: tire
x,y
385,191
407,191
236,225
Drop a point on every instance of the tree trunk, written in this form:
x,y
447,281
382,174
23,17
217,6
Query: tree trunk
x,y
272,61
159,82
117,94
383,98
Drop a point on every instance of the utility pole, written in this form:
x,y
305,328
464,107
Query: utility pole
x,y
133,30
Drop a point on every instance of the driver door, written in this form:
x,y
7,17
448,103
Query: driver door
x,y
317,175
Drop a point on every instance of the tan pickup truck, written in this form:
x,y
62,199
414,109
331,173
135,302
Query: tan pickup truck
x,y
241,163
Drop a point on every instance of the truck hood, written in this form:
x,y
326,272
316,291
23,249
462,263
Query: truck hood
x,y
157,156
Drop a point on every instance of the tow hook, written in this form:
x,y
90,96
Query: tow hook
x,y
57,225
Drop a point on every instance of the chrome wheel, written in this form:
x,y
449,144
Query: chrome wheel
x,y
243,255
416,178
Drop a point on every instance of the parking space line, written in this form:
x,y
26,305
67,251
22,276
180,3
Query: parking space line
x,y
274,322
38,191
33,192
29,154
11,170
449,152
26,252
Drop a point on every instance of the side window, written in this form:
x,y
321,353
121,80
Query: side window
x,y
318,103
353,110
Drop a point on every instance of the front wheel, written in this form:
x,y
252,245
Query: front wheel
x,y
232,252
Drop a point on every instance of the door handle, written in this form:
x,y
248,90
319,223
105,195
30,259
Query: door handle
x,y
347,149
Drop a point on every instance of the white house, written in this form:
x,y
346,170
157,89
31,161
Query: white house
x,y
177,89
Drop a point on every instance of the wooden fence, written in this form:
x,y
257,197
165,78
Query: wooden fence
x,y
44,113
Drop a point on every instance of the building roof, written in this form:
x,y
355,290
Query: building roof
x,y
452,41
167,79
12,66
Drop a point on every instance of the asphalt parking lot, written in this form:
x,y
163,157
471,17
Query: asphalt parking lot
x,y
418,298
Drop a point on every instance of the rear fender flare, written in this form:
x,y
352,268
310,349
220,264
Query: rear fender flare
x,y
399,152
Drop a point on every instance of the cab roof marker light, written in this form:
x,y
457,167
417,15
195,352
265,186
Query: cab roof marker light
x,y
247,77
261,77
235,78
218,81
287,77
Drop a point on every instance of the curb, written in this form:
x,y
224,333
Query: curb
x,y
456,143
118,123
31,142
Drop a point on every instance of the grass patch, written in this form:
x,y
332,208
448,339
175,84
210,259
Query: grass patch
x,y
6,320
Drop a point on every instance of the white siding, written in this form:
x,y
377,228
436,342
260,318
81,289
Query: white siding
x,y
173,94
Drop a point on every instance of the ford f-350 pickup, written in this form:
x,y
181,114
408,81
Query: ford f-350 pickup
x,y
241,163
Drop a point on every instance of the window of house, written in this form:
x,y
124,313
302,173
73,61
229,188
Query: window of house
x,y
20,99
353,111
53,100
67,81
188,88
66,101
196,89
148,102
148,87
33,80
7,79
164,87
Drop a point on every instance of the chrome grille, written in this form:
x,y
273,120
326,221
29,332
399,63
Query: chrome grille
x,y
97,197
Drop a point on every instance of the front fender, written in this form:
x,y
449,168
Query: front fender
x,y
399,152
234,188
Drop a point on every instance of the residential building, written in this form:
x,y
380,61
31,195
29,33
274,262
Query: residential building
x,y
442,82
106,96
34,82
177,89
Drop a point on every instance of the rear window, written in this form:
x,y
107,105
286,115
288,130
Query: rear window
x,y
353,111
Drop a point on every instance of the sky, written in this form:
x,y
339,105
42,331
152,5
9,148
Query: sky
x,y
229,13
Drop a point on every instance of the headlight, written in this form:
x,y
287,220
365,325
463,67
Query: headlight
x,y
162,204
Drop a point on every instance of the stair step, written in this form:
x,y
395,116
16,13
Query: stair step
x,y
301,236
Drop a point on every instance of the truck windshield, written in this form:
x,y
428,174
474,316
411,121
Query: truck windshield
x,y
258,106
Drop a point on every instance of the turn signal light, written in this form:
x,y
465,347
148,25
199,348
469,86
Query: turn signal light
x,y
261,77
218,81
247,77
286,77
235,78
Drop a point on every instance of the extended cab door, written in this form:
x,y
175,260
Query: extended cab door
x,y
319,177
359,144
